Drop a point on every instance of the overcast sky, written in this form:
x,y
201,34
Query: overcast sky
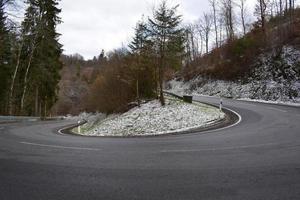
x,y
91,25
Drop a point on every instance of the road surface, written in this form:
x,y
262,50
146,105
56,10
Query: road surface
x,y
257,159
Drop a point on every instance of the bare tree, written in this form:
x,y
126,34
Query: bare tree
x,y
188,44
242,6
213,4
191,41
206,26
277,7
228,12
261,8
221,30
201,37
280,7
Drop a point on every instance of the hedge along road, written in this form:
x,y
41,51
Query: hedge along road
x,y
256,159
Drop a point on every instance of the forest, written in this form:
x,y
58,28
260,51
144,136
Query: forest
x,y
30,58
37,79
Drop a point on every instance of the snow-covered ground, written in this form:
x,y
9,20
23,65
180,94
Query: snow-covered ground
x,y
90,117
274,79
153,119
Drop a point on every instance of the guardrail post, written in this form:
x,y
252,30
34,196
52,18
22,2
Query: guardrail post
x,y
79,127
221,104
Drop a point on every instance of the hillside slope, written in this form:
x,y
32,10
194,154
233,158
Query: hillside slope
x,y
275,77
74,86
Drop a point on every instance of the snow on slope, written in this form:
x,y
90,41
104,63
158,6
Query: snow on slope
x,y
153,119
274,78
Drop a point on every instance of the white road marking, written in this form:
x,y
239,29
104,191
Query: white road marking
x,y
60,131
60,147
227,127
221,149
239,121
276,109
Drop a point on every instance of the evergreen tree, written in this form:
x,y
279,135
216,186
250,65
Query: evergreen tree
x,y
40,57
168,39
5,59
102,55
143,66
48,55
30,29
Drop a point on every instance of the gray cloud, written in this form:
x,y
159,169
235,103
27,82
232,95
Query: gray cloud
x,y
91,25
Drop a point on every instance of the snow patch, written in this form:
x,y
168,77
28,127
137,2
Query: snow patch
x,y
275,78
153,119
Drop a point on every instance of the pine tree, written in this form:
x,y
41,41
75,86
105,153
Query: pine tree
x,y
30,30
143,65
5,59
168,39
40,57
48,55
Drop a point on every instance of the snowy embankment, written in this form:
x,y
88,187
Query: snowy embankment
x,y
274,79
90,117
153,119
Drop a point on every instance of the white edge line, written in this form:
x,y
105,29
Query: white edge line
x,y
59,147
209,131
227,127
60,130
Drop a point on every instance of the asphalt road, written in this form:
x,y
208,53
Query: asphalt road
x,y
256,159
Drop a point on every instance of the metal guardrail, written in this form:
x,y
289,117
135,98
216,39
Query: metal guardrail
x,y
185,98
174,95
18,118
25,119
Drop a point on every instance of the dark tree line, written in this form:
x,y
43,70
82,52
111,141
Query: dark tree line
x,y
5,57
31,60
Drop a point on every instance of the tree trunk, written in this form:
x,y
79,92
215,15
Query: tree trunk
x,y
243,15
45,108
193,45
206,43
29,64
26,78
37,101
201,45
215,22
231,25
262,14
280,7
11,91
161,77
40,109
244,25
138,93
